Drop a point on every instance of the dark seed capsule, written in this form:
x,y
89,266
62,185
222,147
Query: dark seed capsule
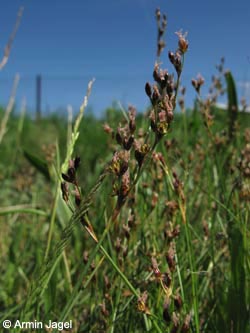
x,y
77,162
129,143
178,302
171,57
166,314
148,89
118,138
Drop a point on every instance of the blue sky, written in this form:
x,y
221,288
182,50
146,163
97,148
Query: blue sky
x,y
70,41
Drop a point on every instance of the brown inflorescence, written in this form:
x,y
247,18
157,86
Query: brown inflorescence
x,y
70,178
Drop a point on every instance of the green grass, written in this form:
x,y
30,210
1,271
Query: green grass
x,y
101,294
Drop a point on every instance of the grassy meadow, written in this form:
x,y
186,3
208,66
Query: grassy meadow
x,y
132,222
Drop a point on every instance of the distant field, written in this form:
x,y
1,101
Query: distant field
x,y
214,240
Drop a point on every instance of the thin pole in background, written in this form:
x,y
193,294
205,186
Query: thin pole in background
x,y
38,97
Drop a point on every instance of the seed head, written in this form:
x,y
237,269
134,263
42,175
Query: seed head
x,y
186,325
132,114
197,83
141,304
183,43
107,128
65,191
166,312
148,89
160,47
155,267
178,302
158,14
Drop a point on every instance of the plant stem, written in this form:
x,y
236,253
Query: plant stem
x,y
193,278
52,220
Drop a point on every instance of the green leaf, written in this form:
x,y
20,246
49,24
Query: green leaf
x,y
38,163
232,102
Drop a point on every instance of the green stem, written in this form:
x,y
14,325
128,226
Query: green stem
x,y
21,209
124,278
126,281
117,269
193,279
118,296
52,221
65,260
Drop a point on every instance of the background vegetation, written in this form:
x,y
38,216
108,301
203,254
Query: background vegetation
x,y
166,250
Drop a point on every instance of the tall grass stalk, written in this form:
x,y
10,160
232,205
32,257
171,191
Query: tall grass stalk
x,y
9,108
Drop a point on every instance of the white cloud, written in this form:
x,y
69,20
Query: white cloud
x,y
245,87
224,107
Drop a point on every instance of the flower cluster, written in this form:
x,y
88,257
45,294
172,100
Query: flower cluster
x,y
161,24
197,83
244,168
119,165
70,178
163,93
173,312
